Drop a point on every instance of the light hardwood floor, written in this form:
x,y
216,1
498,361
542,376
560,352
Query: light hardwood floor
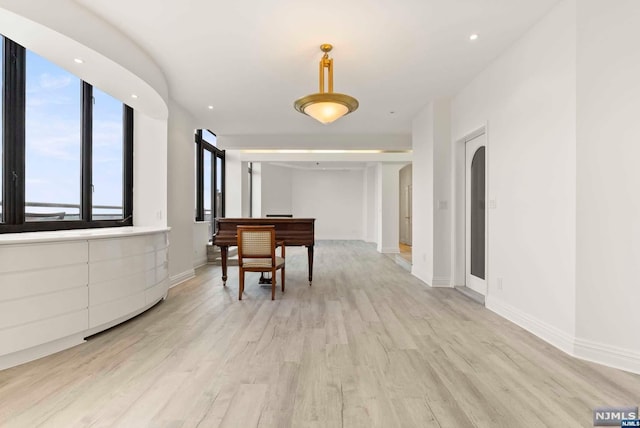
x,y
405,251
367,345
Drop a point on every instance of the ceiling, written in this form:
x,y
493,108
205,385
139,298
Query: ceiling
x,y
322,166
251,59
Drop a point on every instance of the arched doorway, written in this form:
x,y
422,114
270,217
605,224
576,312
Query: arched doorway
x,y
476,218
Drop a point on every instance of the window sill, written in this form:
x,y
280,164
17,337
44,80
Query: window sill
x,y
75,234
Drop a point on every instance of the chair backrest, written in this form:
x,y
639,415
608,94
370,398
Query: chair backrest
x,y
256,242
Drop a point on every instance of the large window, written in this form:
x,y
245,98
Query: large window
x,y
108,149
209,178
67,149
1,116
207,173
53,142
218,204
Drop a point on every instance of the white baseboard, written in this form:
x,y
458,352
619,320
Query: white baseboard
x,y
200,262
441,282
422,275
30,354
390,250
181,277
338,238
544,331
612,356
430,280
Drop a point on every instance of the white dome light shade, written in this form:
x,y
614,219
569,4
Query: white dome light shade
x,y
326,112
326,107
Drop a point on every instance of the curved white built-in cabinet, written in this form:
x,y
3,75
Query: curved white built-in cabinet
x,y
57,288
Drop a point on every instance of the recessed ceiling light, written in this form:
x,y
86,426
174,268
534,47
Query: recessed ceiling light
x,y
210,107
473,37
78,60
134,96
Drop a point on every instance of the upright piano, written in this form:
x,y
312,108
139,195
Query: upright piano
x,y
293,231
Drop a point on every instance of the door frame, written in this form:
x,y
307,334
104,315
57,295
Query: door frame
x,y
473,282
406,206
458,231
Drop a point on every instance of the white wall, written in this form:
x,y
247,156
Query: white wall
x,y
334,198
432,194
367,229
423,141
442,194
200,239
180,193
149,171
233,184
370,208
257,189
389,207
527,98
244,186
276,190
608,206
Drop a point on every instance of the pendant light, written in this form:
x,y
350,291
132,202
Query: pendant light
x,y
326,107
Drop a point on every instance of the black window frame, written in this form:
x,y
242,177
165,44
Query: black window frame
x,y
14,167
250,171
216,153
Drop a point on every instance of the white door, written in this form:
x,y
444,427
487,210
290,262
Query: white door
x,y
405,178
405,213
476,218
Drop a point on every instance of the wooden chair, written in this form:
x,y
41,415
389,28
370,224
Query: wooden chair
x,y
257,253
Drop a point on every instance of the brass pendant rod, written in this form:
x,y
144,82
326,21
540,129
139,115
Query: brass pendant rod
x,y
330,73
327,63
321,74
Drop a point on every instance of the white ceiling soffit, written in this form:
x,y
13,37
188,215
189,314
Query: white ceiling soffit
x,y
322,166
111,61
250,59
311,141
329,157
